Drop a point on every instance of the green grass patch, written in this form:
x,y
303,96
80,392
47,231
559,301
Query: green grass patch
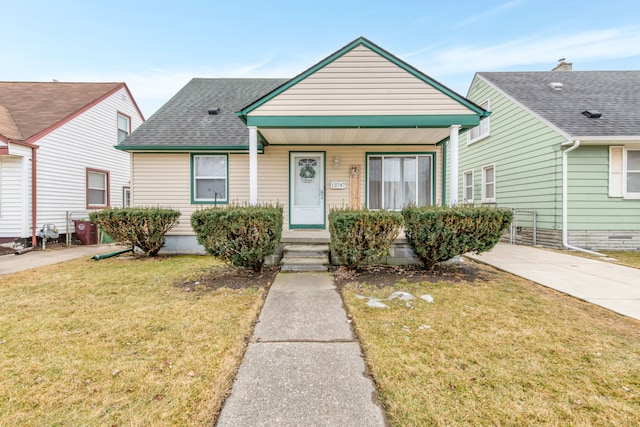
x,y
116,342
501,351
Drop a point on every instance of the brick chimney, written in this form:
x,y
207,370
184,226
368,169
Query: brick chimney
x,y
563,66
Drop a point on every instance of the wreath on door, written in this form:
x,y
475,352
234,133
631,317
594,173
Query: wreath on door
x,y
307,172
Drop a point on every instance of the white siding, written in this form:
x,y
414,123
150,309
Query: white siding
x,y
15,185
87,141
360,82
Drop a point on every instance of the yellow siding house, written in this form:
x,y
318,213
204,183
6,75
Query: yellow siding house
x,y
361,128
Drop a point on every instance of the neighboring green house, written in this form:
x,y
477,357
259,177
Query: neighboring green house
x,y
562,144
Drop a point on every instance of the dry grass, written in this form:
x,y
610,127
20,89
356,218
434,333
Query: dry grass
x,y
115,342
628,258
498,352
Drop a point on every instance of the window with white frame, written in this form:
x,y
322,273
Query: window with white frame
x,y
483,129
468,187
489,184
633,172
124,126
624,172
126,197
97,189
210,181
395,181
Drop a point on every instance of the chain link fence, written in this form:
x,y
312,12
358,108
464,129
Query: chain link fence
x,y
524,228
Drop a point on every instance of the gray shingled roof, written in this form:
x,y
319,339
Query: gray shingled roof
x,y
616,94
184,120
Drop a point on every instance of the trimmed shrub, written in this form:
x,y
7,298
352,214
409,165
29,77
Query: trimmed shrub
x,y
141,227
360,237
439,234
240,235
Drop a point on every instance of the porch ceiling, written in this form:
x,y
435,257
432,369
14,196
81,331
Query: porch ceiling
x,y
353,136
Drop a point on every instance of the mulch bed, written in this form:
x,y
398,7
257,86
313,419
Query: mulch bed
x,y
6,251
233,278
378,275
385,275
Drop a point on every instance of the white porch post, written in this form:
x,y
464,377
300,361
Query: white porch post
x,y
453,171
253,165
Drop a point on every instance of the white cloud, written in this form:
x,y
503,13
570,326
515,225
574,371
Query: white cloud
x,y
576,47
452,65
489,13
152,88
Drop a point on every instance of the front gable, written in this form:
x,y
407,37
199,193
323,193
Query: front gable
x,y
361,86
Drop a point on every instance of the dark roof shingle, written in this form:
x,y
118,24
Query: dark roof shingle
x,y
184,120
616,94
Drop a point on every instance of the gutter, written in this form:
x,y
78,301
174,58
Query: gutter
x,y
572,144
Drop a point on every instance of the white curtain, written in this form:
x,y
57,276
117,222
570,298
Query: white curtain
x,y
392,183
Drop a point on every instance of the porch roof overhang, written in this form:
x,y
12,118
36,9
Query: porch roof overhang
x,y
361,94
358,130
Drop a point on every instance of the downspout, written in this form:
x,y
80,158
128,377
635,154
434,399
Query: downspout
x,y
565,205
34,196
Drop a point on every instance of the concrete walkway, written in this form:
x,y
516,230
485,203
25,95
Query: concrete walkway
x,y
14,263
303,366
606,284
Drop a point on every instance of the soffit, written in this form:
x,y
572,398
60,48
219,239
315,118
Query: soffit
x,y
353,136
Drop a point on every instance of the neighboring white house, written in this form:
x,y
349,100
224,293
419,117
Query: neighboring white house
x,y
56,153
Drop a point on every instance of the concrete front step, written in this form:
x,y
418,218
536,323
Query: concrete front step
x,y
305,258
306,248
305,264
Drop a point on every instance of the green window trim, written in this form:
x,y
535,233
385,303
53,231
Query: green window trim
x,y
431,154
194,180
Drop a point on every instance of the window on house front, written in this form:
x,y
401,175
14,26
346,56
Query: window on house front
x,y
209,178
468,187
97,189
489,184
396,181
483,129
124,127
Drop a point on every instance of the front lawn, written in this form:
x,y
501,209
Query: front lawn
x,y
492,349
628,258
120,342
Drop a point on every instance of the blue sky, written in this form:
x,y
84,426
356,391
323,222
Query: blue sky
x,y
157,47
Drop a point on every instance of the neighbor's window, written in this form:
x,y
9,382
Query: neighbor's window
x,y
489,184
209,178
633,172
483,129
396,181
624,172
468,187
124,126
97,189
126,197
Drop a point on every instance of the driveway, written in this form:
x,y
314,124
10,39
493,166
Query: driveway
x,y
14,263
606,284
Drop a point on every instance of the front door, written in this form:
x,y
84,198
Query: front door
x,y
306,190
